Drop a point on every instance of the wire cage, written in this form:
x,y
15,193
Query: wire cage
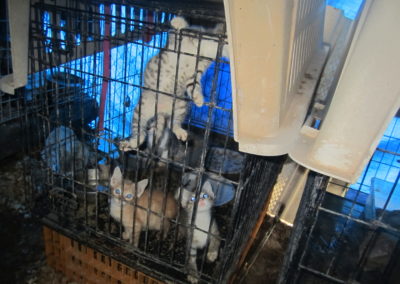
x,y
352,238
88,66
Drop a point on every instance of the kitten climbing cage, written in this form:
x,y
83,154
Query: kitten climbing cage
x,y
87,62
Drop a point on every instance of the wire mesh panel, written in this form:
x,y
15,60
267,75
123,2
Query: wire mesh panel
x,y
354,238
131,135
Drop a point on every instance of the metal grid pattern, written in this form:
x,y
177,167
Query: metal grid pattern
x,y
87,61
355,238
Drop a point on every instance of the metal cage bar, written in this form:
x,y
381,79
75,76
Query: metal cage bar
x,y
76,163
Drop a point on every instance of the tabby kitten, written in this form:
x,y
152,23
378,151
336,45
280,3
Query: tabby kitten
x,y
123,195
161,73
202,222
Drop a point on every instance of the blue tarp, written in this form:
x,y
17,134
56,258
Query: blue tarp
x,y
349,7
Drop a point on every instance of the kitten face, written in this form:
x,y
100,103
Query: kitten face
x,y
125,189
127,195
205,199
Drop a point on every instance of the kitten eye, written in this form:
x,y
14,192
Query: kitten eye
x,y
205,195
129,196
117,191
193,198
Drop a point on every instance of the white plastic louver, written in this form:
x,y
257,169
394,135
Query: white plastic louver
x,y
365,100
277,54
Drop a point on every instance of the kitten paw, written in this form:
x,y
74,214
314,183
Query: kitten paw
x,y
129,145
212,256
125,146
192,279
196,96
198,100
181,134
179,23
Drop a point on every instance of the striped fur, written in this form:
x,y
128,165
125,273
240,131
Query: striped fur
x,y
171,80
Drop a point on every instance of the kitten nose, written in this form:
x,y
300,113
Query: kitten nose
x,y
202,202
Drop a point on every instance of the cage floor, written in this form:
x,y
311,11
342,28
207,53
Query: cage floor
x,y
19,234
21,247
24,260
85,217
21,240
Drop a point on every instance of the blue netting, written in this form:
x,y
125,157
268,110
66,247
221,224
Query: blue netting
x,y
384,166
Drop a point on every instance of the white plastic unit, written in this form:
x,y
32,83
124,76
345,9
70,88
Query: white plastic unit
x,y
18,14
276,53
276,57
366,98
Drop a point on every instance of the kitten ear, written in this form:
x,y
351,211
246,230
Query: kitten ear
x,y
184,197
141,186
116,178
177,193
189,181
207,187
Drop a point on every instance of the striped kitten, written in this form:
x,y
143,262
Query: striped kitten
x,y
176,70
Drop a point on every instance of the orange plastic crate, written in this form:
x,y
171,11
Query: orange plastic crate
x,y
82,264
